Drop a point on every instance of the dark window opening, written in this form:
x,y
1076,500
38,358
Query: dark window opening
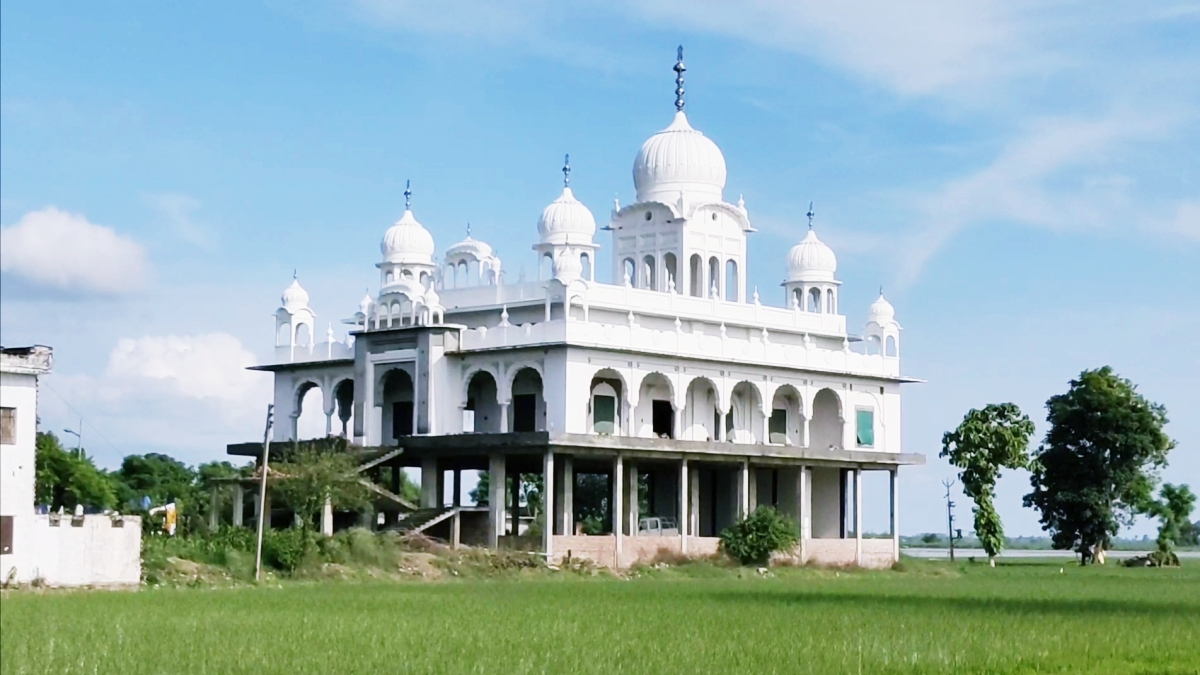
x,y
402,419
664,419
604,414
6,535
778,425
525,412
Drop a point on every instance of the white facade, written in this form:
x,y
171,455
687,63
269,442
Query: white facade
x,y
674,349
91,550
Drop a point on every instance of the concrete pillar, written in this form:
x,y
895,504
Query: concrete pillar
x,y
618,507
720,435
496,499
515,504
327,518
684,511
238,505
694,503
429,483
744,491
804,495
456,529
894,479
214,508
631,500
329,424
457,500
504,417
858,516
566,496
548,504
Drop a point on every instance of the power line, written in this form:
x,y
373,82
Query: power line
x,y
82,418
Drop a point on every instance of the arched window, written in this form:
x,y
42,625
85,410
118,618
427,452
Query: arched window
x,y
830,304
546,270
648,270
283,337
814,300
890,346
303,335
872,344
585,261
629,272
797,298
731,281
696,270
425,279
448,280
473,273
714,277
671,269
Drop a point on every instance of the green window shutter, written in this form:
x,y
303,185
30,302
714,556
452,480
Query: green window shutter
x,y
866,428
604,414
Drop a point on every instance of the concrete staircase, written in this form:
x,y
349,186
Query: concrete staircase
x,y
423,519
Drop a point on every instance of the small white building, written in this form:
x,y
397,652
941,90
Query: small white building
x,y
57,550
675,379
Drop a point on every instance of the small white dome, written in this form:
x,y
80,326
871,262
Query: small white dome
x,y
678,159
811,260
294,297
566,221
881,311
364,305
469,248
432,299
407,242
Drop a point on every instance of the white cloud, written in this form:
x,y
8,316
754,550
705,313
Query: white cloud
x,y
211,366
62,251
187,396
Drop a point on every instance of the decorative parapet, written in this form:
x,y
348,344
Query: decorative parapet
x,y
35,360
755,348
324,351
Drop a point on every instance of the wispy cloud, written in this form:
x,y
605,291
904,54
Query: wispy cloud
x,y
179,212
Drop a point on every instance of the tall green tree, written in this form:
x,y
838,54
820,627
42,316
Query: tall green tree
x,y
1173,510
987,441
1097,467
65,479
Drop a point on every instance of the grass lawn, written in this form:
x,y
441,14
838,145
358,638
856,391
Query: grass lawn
x,y
1017,618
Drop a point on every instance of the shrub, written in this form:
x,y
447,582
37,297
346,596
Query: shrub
x,y
753,540
284,549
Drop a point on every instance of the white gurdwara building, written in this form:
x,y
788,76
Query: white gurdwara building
x,y
699,401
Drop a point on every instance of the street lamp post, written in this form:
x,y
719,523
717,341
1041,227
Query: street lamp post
x,y
78,438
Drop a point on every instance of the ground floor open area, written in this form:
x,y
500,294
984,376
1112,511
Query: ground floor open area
x,y
926,618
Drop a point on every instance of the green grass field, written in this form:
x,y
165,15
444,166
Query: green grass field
x,y
1025,618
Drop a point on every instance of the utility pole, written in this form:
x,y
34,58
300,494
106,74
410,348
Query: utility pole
x,y
263,512
78,438
949,482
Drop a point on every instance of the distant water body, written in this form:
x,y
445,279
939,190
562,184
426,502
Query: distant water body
x,y
1023,553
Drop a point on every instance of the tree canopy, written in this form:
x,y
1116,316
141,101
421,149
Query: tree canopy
x,y
66,479
985,442
1097,467
315,472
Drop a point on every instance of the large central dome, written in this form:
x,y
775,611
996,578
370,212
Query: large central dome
x,y
679,159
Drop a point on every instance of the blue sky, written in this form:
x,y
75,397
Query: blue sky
x,y
1022,178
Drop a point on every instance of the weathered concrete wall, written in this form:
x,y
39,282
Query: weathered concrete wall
x,y
86,551
878,553
602,550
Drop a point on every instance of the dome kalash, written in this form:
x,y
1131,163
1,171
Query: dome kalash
x,y
811,260
566,221
407,242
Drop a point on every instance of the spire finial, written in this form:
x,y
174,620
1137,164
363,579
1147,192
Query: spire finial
x,y
810,214
468,230
295,274
566,170
407,195
679,70
881,290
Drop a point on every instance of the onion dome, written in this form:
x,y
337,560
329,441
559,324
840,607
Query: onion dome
x,y
881,311
407,242
811,260
679,159
566,221
364,305
294,296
